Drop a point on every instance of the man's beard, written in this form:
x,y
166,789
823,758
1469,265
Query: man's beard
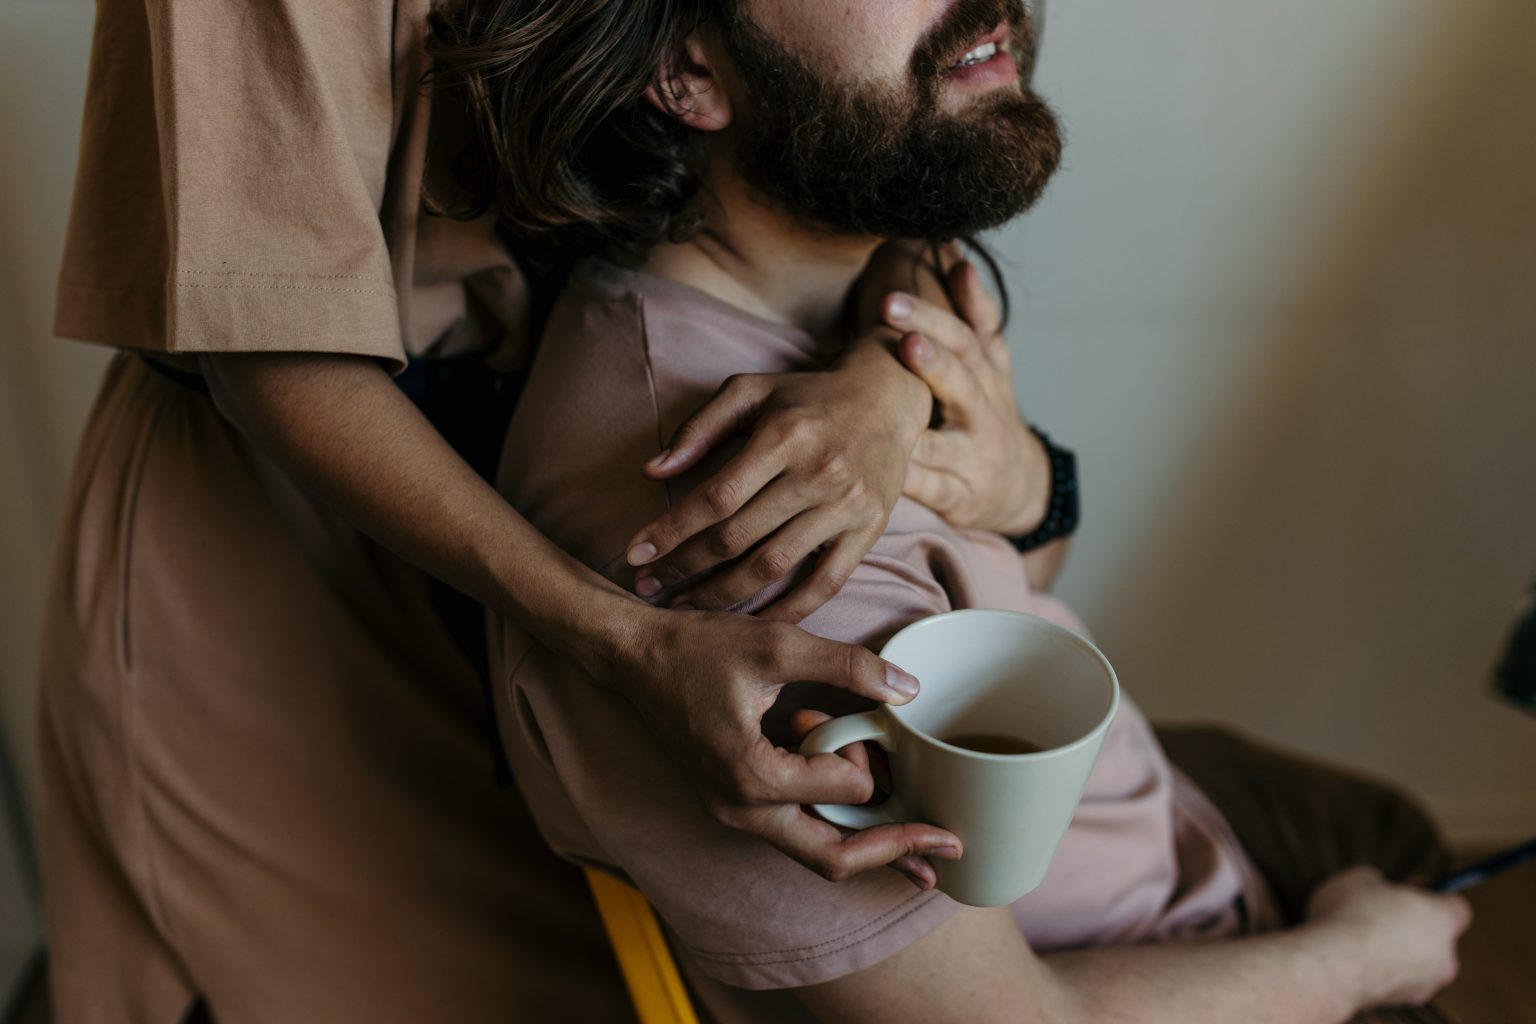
x,y
872,161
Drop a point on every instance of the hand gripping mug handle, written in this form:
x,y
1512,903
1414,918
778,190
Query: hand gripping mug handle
x,y
829,737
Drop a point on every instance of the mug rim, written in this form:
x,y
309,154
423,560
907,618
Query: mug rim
x,y
896,711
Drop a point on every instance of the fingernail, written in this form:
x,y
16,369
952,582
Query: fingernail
x,y
641,553
647,586
898,307
922,350
900,683
944,852
921,881
660,458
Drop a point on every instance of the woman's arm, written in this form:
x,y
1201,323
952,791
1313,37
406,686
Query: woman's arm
x,y
981,466
824,464
339,426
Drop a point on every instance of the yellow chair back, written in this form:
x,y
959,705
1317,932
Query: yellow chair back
x,y
655,987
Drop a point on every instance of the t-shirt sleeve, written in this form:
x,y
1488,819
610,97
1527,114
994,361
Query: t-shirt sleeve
x,y
605,388
233,164
605,793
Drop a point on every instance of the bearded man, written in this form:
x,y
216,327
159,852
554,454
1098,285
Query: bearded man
x,y
709,180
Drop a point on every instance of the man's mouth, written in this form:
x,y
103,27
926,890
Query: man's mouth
x,y
983,49
976,56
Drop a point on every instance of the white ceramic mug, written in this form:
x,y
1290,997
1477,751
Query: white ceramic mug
x,y
999,673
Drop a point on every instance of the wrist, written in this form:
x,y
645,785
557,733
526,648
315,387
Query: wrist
x,y
1336,966
874,358
1028,511
608,634
603,633
581,616
1061,513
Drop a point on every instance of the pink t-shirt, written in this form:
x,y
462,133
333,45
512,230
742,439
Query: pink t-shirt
x,y
627,356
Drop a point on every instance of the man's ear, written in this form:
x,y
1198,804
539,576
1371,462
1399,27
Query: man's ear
x,y
691,89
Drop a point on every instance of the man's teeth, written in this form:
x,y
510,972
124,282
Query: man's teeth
x,y
986,51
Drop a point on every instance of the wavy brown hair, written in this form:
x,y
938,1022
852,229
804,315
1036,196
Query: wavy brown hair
x,y
568,152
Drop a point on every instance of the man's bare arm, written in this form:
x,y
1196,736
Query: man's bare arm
x,y
1367,943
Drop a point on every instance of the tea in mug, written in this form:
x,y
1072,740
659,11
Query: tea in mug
x,y
992,743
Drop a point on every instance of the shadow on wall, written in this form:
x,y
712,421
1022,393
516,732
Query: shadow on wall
x,y
1386,446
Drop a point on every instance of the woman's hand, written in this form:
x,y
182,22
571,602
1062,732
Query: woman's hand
x,y
981,467
704,680
824,464
829,453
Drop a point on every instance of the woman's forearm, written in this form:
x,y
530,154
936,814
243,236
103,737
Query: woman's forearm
x,y
702,681
341,428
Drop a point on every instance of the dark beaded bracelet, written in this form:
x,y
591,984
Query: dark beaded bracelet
x,y
1061,513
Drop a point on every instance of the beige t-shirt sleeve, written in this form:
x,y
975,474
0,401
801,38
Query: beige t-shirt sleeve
x,y
232,168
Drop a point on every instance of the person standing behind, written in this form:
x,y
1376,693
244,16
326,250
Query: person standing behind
x,y
266,780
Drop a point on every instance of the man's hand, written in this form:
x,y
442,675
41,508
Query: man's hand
x,y
981,467
704,680
1401,940
823,467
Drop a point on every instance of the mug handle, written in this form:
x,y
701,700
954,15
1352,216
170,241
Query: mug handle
x,y
830,737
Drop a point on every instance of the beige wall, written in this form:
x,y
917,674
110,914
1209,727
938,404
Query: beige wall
x,y
1284,301
43,387
1279,300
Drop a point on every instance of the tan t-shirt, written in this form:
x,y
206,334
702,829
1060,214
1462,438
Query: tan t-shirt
x,y
1147,856
250,179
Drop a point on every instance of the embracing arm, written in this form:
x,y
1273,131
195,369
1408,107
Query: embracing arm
x,y
340,427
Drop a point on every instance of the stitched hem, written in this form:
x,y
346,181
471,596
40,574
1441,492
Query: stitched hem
x,y
853,951
773,956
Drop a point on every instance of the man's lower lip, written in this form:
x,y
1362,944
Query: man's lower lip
x,y
999,69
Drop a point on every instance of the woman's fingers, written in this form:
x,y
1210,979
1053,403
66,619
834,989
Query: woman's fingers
x,y
806,657
823,779
719,497
836,856
802,721
772,560
832,571
726,541
918,871
734,406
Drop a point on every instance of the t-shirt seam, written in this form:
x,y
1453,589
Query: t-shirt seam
x,y
87,286
268,274
388,293
650,381
838,944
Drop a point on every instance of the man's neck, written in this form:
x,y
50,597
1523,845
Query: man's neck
x,y
763,262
